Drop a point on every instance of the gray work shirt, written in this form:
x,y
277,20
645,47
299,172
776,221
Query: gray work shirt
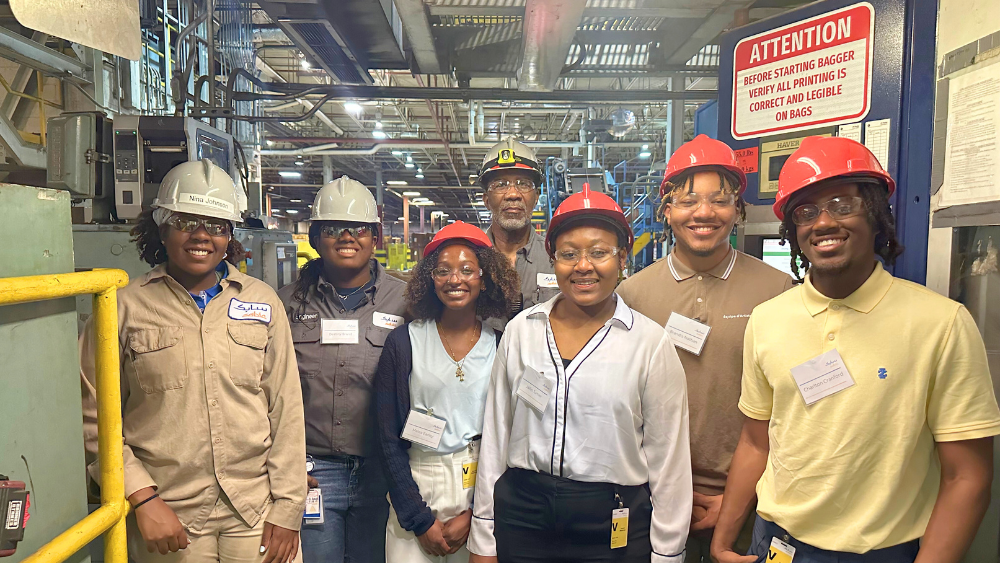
x,y
532,260
337,378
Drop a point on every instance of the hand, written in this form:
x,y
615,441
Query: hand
x,y
158,525
312,482
456,530
706,512
730,556
432,541
473,558
279,545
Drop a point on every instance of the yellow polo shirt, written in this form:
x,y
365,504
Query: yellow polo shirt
x,y
858,470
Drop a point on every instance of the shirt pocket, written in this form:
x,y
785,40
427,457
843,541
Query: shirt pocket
x,y
376,340
308,352
157,359
246,353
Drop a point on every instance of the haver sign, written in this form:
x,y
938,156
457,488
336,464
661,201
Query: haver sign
x,y
811,73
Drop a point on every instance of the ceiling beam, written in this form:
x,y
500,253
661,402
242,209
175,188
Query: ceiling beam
x,y
418,30
720,19
516,11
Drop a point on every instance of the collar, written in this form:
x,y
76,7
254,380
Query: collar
x,y
623,314
863,300
681,271
232,275
375,270
534,247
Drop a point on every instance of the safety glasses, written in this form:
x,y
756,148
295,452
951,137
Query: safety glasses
x,y
465,273
190,223
521,184
356,231
838,208
595,255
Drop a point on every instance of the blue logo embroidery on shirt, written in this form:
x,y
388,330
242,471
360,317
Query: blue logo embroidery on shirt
x,y
882,373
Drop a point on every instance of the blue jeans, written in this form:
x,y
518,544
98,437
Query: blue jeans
x,y
764,530
355,512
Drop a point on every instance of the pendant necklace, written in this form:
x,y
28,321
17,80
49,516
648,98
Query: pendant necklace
x,y
459,372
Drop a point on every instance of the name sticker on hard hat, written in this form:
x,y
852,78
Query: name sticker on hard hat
x,y
822,376
206,200
547,281
242,311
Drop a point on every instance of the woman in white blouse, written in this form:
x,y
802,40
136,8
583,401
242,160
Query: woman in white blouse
x,y
585,453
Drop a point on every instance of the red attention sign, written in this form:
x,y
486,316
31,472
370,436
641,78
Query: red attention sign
x,y
807,74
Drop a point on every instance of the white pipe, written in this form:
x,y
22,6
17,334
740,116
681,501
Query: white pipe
x,y
472,124
319,150
480,118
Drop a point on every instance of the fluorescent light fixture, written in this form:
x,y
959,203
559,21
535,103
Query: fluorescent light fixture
x,y
401,218
645,147
411,194
378,124
295,200
300,162
478,204
443,214
291,211
451,220
305,64
416,199
289,174
419,176
423,203
270,143
397,153
352,107
409,158
379,134
396,182
408,165
645,154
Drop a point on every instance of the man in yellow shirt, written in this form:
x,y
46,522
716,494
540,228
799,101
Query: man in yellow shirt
x,y
871,412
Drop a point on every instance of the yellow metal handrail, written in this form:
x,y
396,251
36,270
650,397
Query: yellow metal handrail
x,y
109,519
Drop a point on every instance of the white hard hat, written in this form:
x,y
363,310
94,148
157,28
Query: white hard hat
x,y
345,199
510,154
199,187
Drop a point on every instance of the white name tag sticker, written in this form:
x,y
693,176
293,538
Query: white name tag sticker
x,y
780,552
822,376
340,331
534,389
245,311
547,281
423,429
205,200
385,320
687,334
314,507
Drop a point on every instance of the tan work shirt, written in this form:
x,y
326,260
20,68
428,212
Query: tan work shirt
x,y
722,298
211,402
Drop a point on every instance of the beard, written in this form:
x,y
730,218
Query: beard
x,y
512,223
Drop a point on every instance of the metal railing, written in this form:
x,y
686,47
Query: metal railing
x,y
109,519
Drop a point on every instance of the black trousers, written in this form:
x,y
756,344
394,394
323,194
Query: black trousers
x,y
541,518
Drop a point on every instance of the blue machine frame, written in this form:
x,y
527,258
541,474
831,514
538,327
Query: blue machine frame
x,y
902,91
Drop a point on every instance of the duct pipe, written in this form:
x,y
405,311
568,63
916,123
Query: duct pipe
x,y
330,151
480,118
271,35
472,125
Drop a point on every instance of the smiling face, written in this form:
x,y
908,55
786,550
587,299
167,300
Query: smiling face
x,y
511,208
344,250
702,216
586,283
461,287
835,246
195,254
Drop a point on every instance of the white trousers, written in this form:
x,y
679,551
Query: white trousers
x,y
439,478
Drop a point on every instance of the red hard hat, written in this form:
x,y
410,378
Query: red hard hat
x,y
458,230
822,158
588,203
702,151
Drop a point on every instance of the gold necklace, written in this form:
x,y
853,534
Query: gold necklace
x,y
460,373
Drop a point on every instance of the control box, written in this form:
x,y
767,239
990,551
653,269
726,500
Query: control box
x,y
14,503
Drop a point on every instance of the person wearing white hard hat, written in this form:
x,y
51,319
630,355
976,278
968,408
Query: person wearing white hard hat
x,y
212,409
341,310
511,176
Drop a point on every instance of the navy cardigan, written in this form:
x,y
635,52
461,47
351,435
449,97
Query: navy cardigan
x,y
392,405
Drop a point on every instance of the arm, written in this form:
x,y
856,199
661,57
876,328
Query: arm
x,y
666,445
748,465
286,462
412,511
497,422
966,478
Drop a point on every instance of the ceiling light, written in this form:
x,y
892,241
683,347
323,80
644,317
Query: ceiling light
x,y
420,169
300,162
295,200
289,174
291,211
378,124
645,154
379,134
451,220
270,143
305,64
411,194
419,176
409,158
423,203
352,107
408,165
397,153
645,147
401,218
396,182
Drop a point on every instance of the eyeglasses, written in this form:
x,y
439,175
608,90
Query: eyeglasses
x,y
838,208
595,255
190,224
336,229
465,273
523,185
692,201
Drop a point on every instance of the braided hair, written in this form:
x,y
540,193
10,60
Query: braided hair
x,y
879,213
684,183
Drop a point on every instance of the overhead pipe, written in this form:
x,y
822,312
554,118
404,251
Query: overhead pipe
x,y
320,150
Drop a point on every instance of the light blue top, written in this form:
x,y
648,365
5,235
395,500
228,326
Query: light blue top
x,y
434,386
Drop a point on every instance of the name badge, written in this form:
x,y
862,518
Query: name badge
x,y
534,389
423,429
687,334
245,311
385,320
822,376
780,552
340,331
547,281
619,528
469,471
314,507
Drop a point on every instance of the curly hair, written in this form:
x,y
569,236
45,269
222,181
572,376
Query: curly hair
x,y
501,286
684,182
148,238
879,214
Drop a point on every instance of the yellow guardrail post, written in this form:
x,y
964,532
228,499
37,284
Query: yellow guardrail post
x,y
109,519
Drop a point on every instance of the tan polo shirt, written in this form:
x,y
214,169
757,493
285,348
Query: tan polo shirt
x,y
722,298
211,403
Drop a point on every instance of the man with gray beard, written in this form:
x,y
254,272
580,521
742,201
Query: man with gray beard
x,y
511,177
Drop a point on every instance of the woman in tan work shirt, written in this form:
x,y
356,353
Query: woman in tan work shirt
x,y
212,408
